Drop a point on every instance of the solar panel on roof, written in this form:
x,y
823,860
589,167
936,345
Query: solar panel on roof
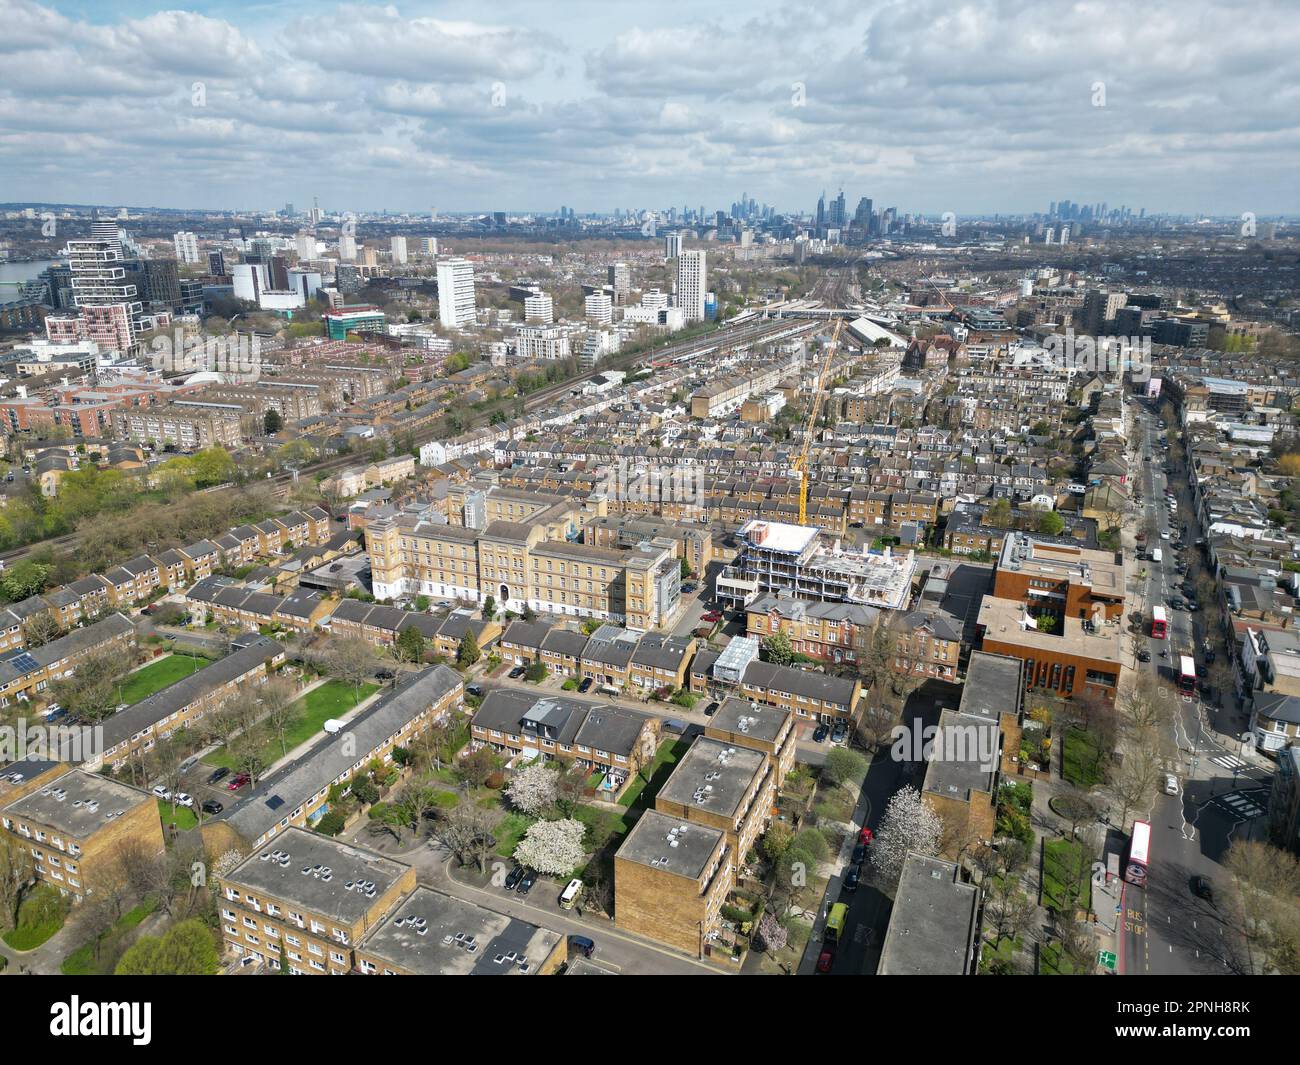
x,y
274,802
24,662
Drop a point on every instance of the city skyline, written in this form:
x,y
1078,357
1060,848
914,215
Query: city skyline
x,y
413,108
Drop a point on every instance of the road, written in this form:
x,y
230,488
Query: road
x,y
1167,930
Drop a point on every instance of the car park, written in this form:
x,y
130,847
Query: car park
x,y
217,775
526,882
821,732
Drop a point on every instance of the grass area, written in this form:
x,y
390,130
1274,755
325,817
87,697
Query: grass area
x,y
158,675
509,831
1067,881
182,817
1000,957
334,698
1080,759
642,789
445,800
40,916
1053,963
81,962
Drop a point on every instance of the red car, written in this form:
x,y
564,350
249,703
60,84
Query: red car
x,y
712,615
866,835
826,959
238,782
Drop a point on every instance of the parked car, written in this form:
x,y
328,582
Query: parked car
x,y
513,877
1171,784
217,775
238,782
474,689
866,835
712,616
1144,655
826,959
162,792
711,709
526,882
517,672
585,686
851,878
182,798
859,854
839,732
211,806
584,946
1202,888
821,732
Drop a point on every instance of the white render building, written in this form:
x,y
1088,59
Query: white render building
x,y
456,292
691,284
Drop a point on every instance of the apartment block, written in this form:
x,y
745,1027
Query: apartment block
x,y
79,826
305,902
28,674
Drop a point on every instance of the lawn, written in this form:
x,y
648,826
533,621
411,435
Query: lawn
x,y
1080,764
183,817
509,831
657,772
31,936
332,699
81,962
1067,876
156,676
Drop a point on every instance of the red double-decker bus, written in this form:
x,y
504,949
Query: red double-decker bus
x,y
1139,854
1159,623
1186,676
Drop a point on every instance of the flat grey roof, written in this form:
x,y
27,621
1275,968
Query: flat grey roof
x,y
420,936
713,776
957,764
759,721
319,874
78,803
993,685
932,926
670,844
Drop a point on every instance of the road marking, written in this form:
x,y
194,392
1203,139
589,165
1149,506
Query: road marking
x,y
1229,761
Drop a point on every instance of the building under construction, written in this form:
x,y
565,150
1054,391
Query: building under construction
x,y
804,562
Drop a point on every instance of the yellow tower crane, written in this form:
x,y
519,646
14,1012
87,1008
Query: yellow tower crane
x,y
800,464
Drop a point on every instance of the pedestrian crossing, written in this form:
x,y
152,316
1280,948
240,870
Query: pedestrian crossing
x,y
1229,761
1243,805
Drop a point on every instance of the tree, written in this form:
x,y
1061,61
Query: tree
x,y
876,723
41,628
1269,879
685,568
769,936
1075,805
277,698
24,579
1134,781
466,831
777,649
909,824
1009,911
186,949
534,788
1050,523
844,766
17,868
536,672
489,608
410,645
272,423
476,767
467,653
91,692
350,659
553,848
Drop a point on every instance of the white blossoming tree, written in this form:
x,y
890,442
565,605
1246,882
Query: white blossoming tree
x,y
553,848
909,823
534,788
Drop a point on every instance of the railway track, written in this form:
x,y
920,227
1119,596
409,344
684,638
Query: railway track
x,y
743,334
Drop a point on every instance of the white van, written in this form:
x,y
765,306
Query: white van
x,y
570,894
1157,555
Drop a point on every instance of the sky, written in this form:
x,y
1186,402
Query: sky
x,y
970,106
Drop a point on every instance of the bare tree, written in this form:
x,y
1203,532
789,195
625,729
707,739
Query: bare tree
x,y
41,628
350,660
466,831
277,697
1134,781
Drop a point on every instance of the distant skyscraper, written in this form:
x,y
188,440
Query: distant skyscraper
x,y
398,248
187,247
108,305
672,245
599,308
456,292
217,263
620,280
539,308
347,247
305,244
691,284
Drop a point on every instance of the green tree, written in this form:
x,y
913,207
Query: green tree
x,y
489,608
185,949
410,644
24,579
686,569
272,423
777,649
1050,523
467,653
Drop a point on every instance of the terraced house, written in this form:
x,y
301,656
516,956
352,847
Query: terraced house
x,y
25,675
298,794
134,732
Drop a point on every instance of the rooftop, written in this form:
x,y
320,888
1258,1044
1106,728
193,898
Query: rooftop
x,y
78,803
320,874
432,934
671,845
932,926
1005,621
757,720
713,776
